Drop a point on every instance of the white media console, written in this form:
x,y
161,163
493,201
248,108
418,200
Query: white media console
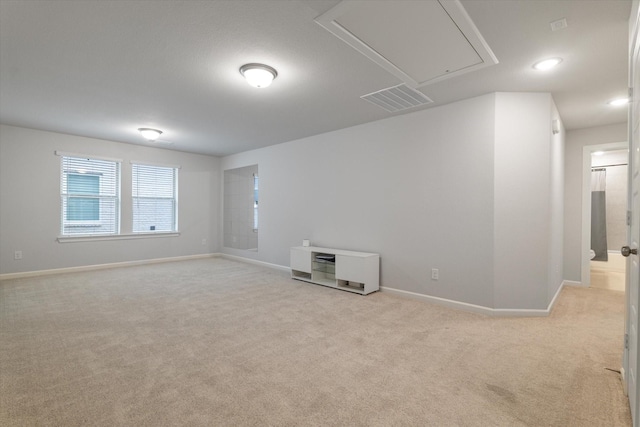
x,y
357,272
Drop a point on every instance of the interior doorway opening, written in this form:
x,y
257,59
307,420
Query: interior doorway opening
x,y
604,210
609,184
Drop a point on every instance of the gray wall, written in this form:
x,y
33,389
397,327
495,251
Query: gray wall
x,y
573,223
431,189
30,203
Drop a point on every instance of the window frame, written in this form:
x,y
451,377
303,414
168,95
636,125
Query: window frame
x,y
65,196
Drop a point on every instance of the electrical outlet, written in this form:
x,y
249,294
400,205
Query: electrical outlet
x,y
17,255
435,274
204,242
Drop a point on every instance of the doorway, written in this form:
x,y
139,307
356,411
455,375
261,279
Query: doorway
x,y
603,273
609,183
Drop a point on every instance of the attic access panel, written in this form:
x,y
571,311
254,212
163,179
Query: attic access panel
x,y
420,42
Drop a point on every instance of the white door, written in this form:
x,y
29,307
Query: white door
x,y
630,362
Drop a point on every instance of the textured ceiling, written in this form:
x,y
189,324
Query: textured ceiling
x,y
102,69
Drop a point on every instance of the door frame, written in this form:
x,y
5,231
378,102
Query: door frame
x,y
587,150
634,48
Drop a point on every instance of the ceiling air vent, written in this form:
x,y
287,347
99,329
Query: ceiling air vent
x,y
397,98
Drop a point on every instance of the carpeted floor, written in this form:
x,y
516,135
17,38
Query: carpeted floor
x,y
221,343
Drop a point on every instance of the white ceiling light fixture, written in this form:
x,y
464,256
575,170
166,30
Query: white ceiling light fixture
x,y
258,75
547,64
150,134
618,102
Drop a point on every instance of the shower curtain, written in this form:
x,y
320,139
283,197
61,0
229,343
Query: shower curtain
x,y
599,214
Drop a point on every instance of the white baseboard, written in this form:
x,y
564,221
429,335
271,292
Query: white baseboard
x,y
256,262
439,301
574,283
407,294
496,312
555,297
36,273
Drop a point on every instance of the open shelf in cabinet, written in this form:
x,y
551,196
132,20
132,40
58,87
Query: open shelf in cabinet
x,y
300,275
350,286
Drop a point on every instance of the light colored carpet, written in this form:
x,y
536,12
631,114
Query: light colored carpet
x,y
222,343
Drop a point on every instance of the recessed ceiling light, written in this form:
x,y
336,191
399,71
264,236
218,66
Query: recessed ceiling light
x,y
619,101
258,75
150,134
547,64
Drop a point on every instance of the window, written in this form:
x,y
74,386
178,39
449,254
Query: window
x,y
81,208
90,196
154,198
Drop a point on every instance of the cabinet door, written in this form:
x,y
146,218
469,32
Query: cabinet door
x,y
301,260
351,268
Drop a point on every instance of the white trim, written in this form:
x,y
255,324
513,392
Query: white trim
x,y
37,273
256,262
160,165
406,294
439,301
495,312
86,156
128,236
555,297
575,284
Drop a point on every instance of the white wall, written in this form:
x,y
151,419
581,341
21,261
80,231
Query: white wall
x,y
419,190
30,202
556,192
415,188
528,201
573,220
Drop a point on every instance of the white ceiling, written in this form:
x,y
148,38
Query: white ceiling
x,y
102,69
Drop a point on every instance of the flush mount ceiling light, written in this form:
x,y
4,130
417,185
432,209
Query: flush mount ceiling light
x,y
618,102
547,64
258,75
150,134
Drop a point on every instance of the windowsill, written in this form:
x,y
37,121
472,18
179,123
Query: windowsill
x,y
132,236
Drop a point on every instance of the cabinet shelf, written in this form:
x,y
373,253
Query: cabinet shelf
x,y
300,275
350,271
350,286
324,267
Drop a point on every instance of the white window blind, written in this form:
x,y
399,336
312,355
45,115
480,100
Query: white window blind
x,y
90,196
154,192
